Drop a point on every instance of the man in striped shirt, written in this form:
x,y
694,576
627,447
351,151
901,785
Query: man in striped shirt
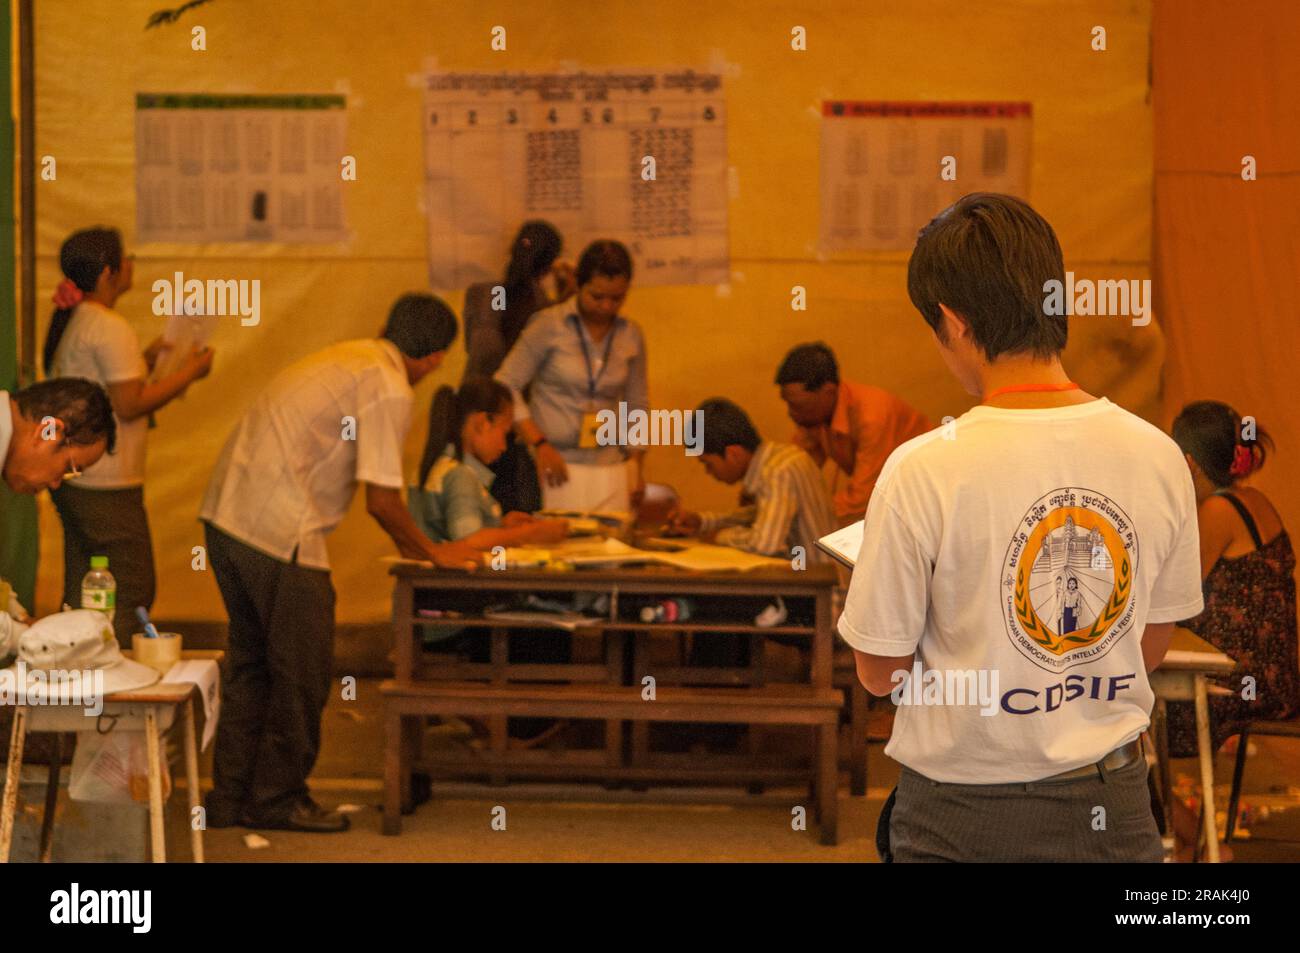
x,y
784,503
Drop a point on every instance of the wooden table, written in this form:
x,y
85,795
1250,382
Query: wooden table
x,y
1182,676
161,702
612,690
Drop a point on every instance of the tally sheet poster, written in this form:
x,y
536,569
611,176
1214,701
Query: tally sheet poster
x,y
570,147
236,168
881,165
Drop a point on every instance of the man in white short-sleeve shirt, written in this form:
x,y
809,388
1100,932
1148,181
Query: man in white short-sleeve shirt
x,y
1020,574
283,481
48,431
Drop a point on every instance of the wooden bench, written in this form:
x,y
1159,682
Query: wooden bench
x,y
407,703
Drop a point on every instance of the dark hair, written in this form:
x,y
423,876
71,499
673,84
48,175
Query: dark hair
x,y
604,257
420,324
534,250
726,424
811,365
1210,432
449,410
988,257
82,405
82,259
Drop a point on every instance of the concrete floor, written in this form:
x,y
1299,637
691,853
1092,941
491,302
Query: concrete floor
x,y
582,823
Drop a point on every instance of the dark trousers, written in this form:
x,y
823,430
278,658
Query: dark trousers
x,y
1106,816
108,523
516,486
275,682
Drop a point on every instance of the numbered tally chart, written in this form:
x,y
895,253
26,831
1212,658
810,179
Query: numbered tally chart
x,y
573,149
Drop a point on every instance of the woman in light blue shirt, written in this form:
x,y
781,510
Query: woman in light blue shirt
x,y
578,358
451,501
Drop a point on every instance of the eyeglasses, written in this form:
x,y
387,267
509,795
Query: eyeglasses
x,y
73,471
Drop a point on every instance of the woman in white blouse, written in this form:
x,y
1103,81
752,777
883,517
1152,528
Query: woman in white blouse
x,y
102,509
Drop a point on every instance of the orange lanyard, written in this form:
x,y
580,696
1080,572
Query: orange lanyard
x,y
1030,389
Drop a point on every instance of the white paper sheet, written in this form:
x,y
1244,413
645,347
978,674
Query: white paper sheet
x,y
238,168
844,544
883,168
182,334
206,674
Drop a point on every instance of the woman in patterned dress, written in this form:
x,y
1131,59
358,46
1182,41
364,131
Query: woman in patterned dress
x,y
1248,572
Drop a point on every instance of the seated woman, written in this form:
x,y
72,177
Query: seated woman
x,y
1247,568
467,433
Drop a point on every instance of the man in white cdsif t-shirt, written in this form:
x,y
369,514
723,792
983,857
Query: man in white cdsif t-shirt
x,y
1023,566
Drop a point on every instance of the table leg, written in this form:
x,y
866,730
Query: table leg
x,y
17,736
411,735
192,780
393,778
1206,756
1160,738
51,799
857,739
827,781
153,746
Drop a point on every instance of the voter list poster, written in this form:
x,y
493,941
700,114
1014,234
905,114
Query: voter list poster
x,y
240,168
887,168
572,148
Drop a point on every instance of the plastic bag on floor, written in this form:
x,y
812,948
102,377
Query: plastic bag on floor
x,y
113,768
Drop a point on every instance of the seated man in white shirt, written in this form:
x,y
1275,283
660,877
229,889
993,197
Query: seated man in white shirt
x,y
284,480
1020,713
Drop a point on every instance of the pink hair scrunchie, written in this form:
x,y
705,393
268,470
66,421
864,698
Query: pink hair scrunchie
x,y
67,294
1243,461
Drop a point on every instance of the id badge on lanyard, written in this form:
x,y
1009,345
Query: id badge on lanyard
x,y
589,424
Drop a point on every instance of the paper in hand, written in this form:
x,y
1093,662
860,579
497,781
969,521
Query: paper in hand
x,y
843,545
183,333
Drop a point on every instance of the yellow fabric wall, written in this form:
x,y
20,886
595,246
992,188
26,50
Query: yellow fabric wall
x,y
1228,250
1091,178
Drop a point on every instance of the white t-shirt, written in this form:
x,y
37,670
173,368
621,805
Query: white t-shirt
x,y
1020,554
288,472
100,346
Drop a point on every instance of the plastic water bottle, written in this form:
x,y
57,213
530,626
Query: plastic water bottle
x,y
99,588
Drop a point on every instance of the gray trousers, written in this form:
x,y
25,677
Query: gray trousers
x,y
108,523
275,682
1103,817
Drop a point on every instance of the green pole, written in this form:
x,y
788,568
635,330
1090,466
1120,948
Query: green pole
x,y
18,530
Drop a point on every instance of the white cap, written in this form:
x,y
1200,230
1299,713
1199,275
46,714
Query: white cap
x,y
79,640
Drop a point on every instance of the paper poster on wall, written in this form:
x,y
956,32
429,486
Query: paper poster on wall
x,y
887,168
235,168
572,148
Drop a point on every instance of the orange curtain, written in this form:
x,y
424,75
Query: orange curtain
x,y
1226,80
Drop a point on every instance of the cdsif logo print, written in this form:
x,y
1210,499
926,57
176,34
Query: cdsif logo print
x,y
1067,581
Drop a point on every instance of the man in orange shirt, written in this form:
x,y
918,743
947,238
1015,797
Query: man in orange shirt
x,y
855,425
